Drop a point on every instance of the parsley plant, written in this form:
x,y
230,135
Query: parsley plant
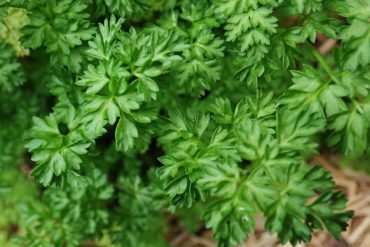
x,y
129,110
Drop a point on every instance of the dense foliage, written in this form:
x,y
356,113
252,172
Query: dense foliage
x,y
129,110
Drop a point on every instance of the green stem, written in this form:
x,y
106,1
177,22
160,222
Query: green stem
x,y
323,63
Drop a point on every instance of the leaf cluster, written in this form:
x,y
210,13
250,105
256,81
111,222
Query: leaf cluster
x,y
132,110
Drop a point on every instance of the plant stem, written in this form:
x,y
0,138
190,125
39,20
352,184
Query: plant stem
x,y
323,63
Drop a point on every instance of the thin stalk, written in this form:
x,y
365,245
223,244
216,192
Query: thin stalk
x,y
323,63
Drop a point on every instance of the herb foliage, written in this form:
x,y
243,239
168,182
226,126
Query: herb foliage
x,y
134,109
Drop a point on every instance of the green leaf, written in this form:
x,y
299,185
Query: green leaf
x,y
56,154
230,220
125,133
